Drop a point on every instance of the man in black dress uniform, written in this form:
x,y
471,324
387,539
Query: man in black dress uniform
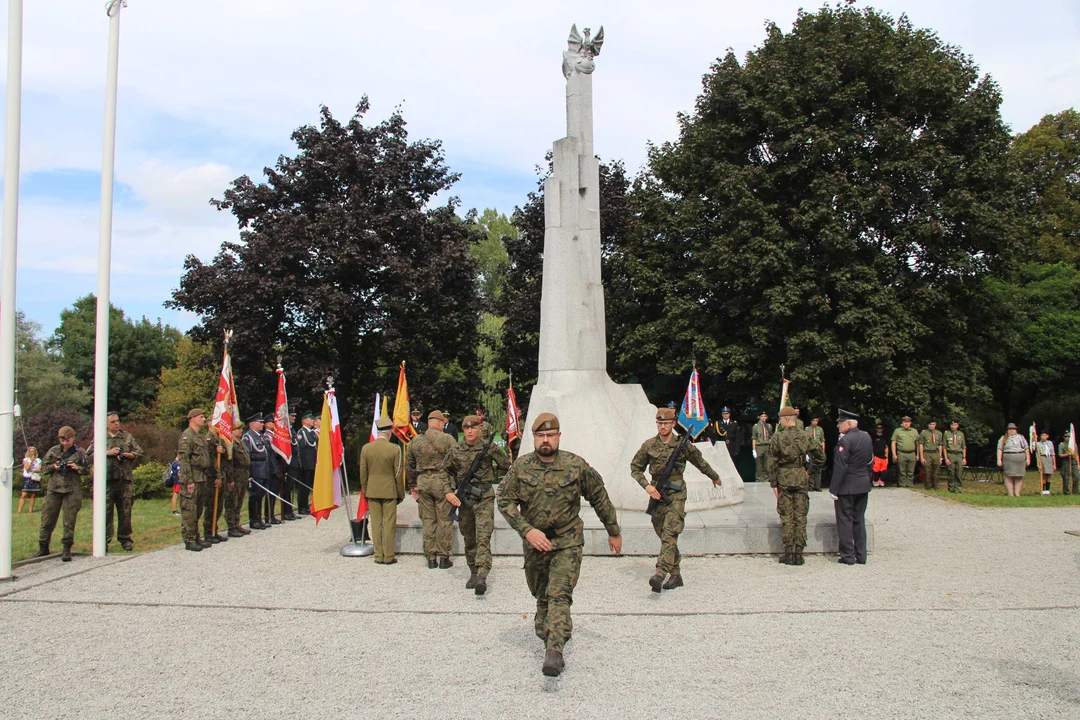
x,y
850,487
307,445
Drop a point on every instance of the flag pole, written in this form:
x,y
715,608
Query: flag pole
x,y
352,549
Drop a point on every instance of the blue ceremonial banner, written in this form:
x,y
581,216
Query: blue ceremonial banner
x,y
692,416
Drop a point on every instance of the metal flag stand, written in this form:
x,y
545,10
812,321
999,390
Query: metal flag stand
x,y
357,547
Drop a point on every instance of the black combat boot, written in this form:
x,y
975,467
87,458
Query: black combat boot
x,y
203,542
192,546
675,581
234,533
471,582
66,557
481,586
220,537
242,530
553,663
785,558
127,545
656,582
432,563
43,550
212,539
445,563
797,558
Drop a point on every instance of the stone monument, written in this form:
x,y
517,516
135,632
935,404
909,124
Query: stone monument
x,y
602,421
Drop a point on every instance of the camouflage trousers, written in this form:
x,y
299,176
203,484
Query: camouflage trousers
x,y
905,467
118,496
551,577
477,523
762,464
815,476
234,502
793,504
435,513
194,506
214,511
931,472
71,503
955,472
668,523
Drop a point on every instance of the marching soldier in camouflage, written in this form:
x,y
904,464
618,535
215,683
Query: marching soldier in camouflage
x,y
905,441
122,452
196,473
236,482
486,430
760,437
1068,467
818,434
541,499
930,444
476,521
423,471
790,481
955,457
62,469
670,516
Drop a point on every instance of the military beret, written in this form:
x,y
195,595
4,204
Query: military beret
x,y
472,421
257,417
195,412
384,423
436,415
846,415
906,418
66,432
545,421
665,413
789,412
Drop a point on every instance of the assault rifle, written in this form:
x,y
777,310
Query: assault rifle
x,y
663,483
466,492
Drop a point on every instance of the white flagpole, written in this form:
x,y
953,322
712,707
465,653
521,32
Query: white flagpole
x,y
12,136
101,355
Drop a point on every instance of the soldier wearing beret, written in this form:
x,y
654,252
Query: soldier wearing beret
x,y
670,516
541,499
423,471
196,476
905,440
380,468
791,482
61,469
477,518
122,452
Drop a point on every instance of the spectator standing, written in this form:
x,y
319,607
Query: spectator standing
x,y
881,455
1047,462
174,474
31,484
1013,457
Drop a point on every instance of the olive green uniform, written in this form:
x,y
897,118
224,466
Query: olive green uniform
x,y
787,472
476,521
906,439
818,434
1069,468
380,468
64,491
194,450
761,434
670,517
955,448
547,497
118,493
423,470
930,441
237,474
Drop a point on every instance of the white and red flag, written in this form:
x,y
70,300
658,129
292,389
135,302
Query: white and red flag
x,y
513,415
282,426
331,453
374,418
226,414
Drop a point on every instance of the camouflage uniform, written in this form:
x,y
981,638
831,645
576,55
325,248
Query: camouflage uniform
x,y
423,471
238,476
64,491
818,434
195,467
670,517
476,523
787,471
118,485
547,496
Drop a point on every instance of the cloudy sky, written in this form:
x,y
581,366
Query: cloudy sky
x,y
211,89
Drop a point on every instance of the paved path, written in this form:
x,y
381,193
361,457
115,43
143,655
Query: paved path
x,y
962,612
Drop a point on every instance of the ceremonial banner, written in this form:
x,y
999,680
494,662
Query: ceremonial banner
x,y
374,417
1072,440
513,416
331,452
402,422
282,428
692,416
226,413
784,401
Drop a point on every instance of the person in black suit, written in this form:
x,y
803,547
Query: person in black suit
x,y
850,487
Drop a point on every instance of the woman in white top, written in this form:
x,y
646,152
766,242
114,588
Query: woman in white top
x,y
1013,457
31,472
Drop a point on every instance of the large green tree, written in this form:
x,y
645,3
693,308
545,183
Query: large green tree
x,y
345,265
138,350
830,205
192,382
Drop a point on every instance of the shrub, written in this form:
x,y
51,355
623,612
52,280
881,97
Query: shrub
x,y
146,482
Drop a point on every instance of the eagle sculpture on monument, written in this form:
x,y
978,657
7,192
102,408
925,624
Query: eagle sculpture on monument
x,y
582,50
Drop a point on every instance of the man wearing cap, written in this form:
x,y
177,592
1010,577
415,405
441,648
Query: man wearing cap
x,y
477,518
905,440
670,516
276,476
818,434
761,436
236,485
423,471
61,470
726,430
1068,466
195,469
258,471
955,457
449,427
380,468
790,481
121,454
307,445
486,431
416,420
930,449
291,472
541,499
850,487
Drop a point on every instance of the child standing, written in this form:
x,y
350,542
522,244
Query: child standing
x,y
1047,460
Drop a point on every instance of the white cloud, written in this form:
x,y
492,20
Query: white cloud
x,y
179,194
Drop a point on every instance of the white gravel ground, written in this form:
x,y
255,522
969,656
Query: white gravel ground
x,y
961,612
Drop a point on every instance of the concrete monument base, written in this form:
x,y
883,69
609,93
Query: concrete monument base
x,y
746,528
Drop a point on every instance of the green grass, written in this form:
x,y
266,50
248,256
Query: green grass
x,y
992,494
152,522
